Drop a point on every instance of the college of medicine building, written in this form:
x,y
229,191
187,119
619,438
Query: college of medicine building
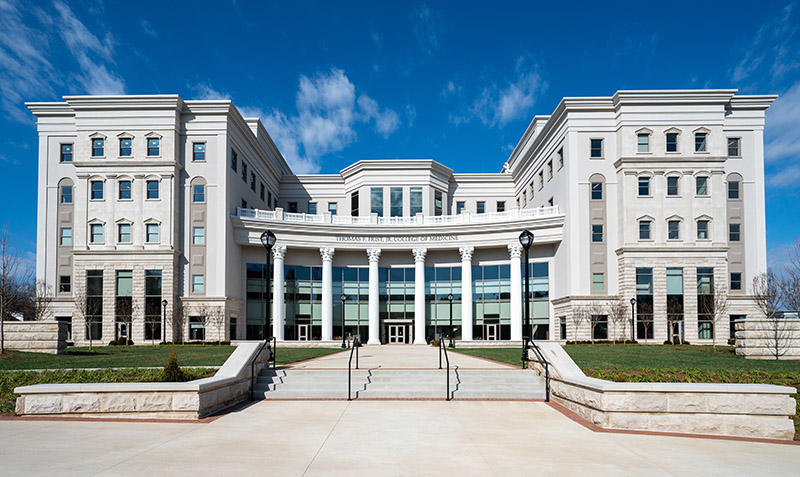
x,y
151,208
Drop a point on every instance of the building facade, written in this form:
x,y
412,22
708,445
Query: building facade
x,y
646,206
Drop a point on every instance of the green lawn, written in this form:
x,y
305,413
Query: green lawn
x,y
293,355
118,357
511,356
12,379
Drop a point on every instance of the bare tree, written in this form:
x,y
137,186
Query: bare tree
x,y
12,278
644,315
125,313
674,319
216,317
579,316
177,319
88,310
717,309
597,316
41,300
618,314
790,284
768,298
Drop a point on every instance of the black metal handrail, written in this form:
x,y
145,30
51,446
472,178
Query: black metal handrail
x,y
526,341
447,358
253,369
273,355
355,347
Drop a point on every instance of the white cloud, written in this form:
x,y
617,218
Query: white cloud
x,y
783,126
774,51
328,111
204,91
499,105
411,114
148,29
427,27
92,54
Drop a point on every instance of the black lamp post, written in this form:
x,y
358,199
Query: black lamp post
x,y
526,240
450,298
164,322
343,297
633,319
268,241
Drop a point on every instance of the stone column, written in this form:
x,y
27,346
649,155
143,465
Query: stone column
x,y
466,292
419,295
515,252
327,293
278,310
374,255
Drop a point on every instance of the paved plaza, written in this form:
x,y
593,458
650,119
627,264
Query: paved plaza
x,y
375,438
398,356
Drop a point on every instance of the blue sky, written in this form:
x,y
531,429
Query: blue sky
x,y
337,82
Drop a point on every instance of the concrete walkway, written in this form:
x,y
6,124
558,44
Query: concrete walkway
x,y
375,438
398,356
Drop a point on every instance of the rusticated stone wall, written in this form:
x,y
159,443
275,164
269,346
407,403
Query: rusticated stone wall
x,y
36,336
768,339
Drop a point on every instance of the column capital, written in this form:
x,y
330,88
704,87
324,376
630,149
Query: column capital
x,y
327,253
515,250
419,254
374,254
278,252
466,252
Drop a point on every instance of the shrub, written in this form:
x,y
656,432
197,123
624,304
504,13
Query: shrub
x,y
435,343
172,371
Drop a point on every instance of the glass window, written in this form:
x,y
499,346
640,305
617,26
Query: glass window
x,y
674,229
644,186
541,180
124,190
97,190
244,171
66,153
252,182
480,207
333,207
65,236
66,194
700,142
124,233
234,160
596,148
702,229
733,189
644,230
549,170
597,233
199,193
734,149
643,143
396,201
501,206
674,281
124,283
460,207
198,235
644,281
152,233
734,232
292,207
673,186
199,151
376,201
672,142
152,189
154,147
560,154
126,147
96,233
437,202
597,191
598,282
702,185
64,284
736,281
98,147
416,201
261,191
354,204
312,208
198,283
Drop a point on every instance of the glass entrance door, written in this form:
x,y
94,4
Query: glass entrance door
x,y
491,332
397,334
303,332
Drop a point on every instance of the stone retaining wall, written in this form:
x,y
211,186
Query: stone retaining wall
x,y
744,410
189,400
766,339
36,336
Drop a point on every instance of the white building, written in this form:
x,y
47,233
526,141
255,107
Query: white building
x,y
653,195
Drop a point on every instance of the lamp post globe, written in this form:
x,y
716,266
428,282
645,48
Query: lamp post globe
x,y
633,319
343,297
164,322
450,299
526,240
268,240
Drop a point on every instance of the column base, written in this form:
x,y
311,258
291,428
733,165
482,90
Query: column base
x,y
420,342
373,342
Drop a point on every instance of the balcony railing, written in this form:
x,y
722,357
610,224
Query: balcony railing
x,y
279,215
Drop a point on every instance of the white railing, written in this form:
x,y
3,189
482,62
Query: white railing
x,y
465,218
